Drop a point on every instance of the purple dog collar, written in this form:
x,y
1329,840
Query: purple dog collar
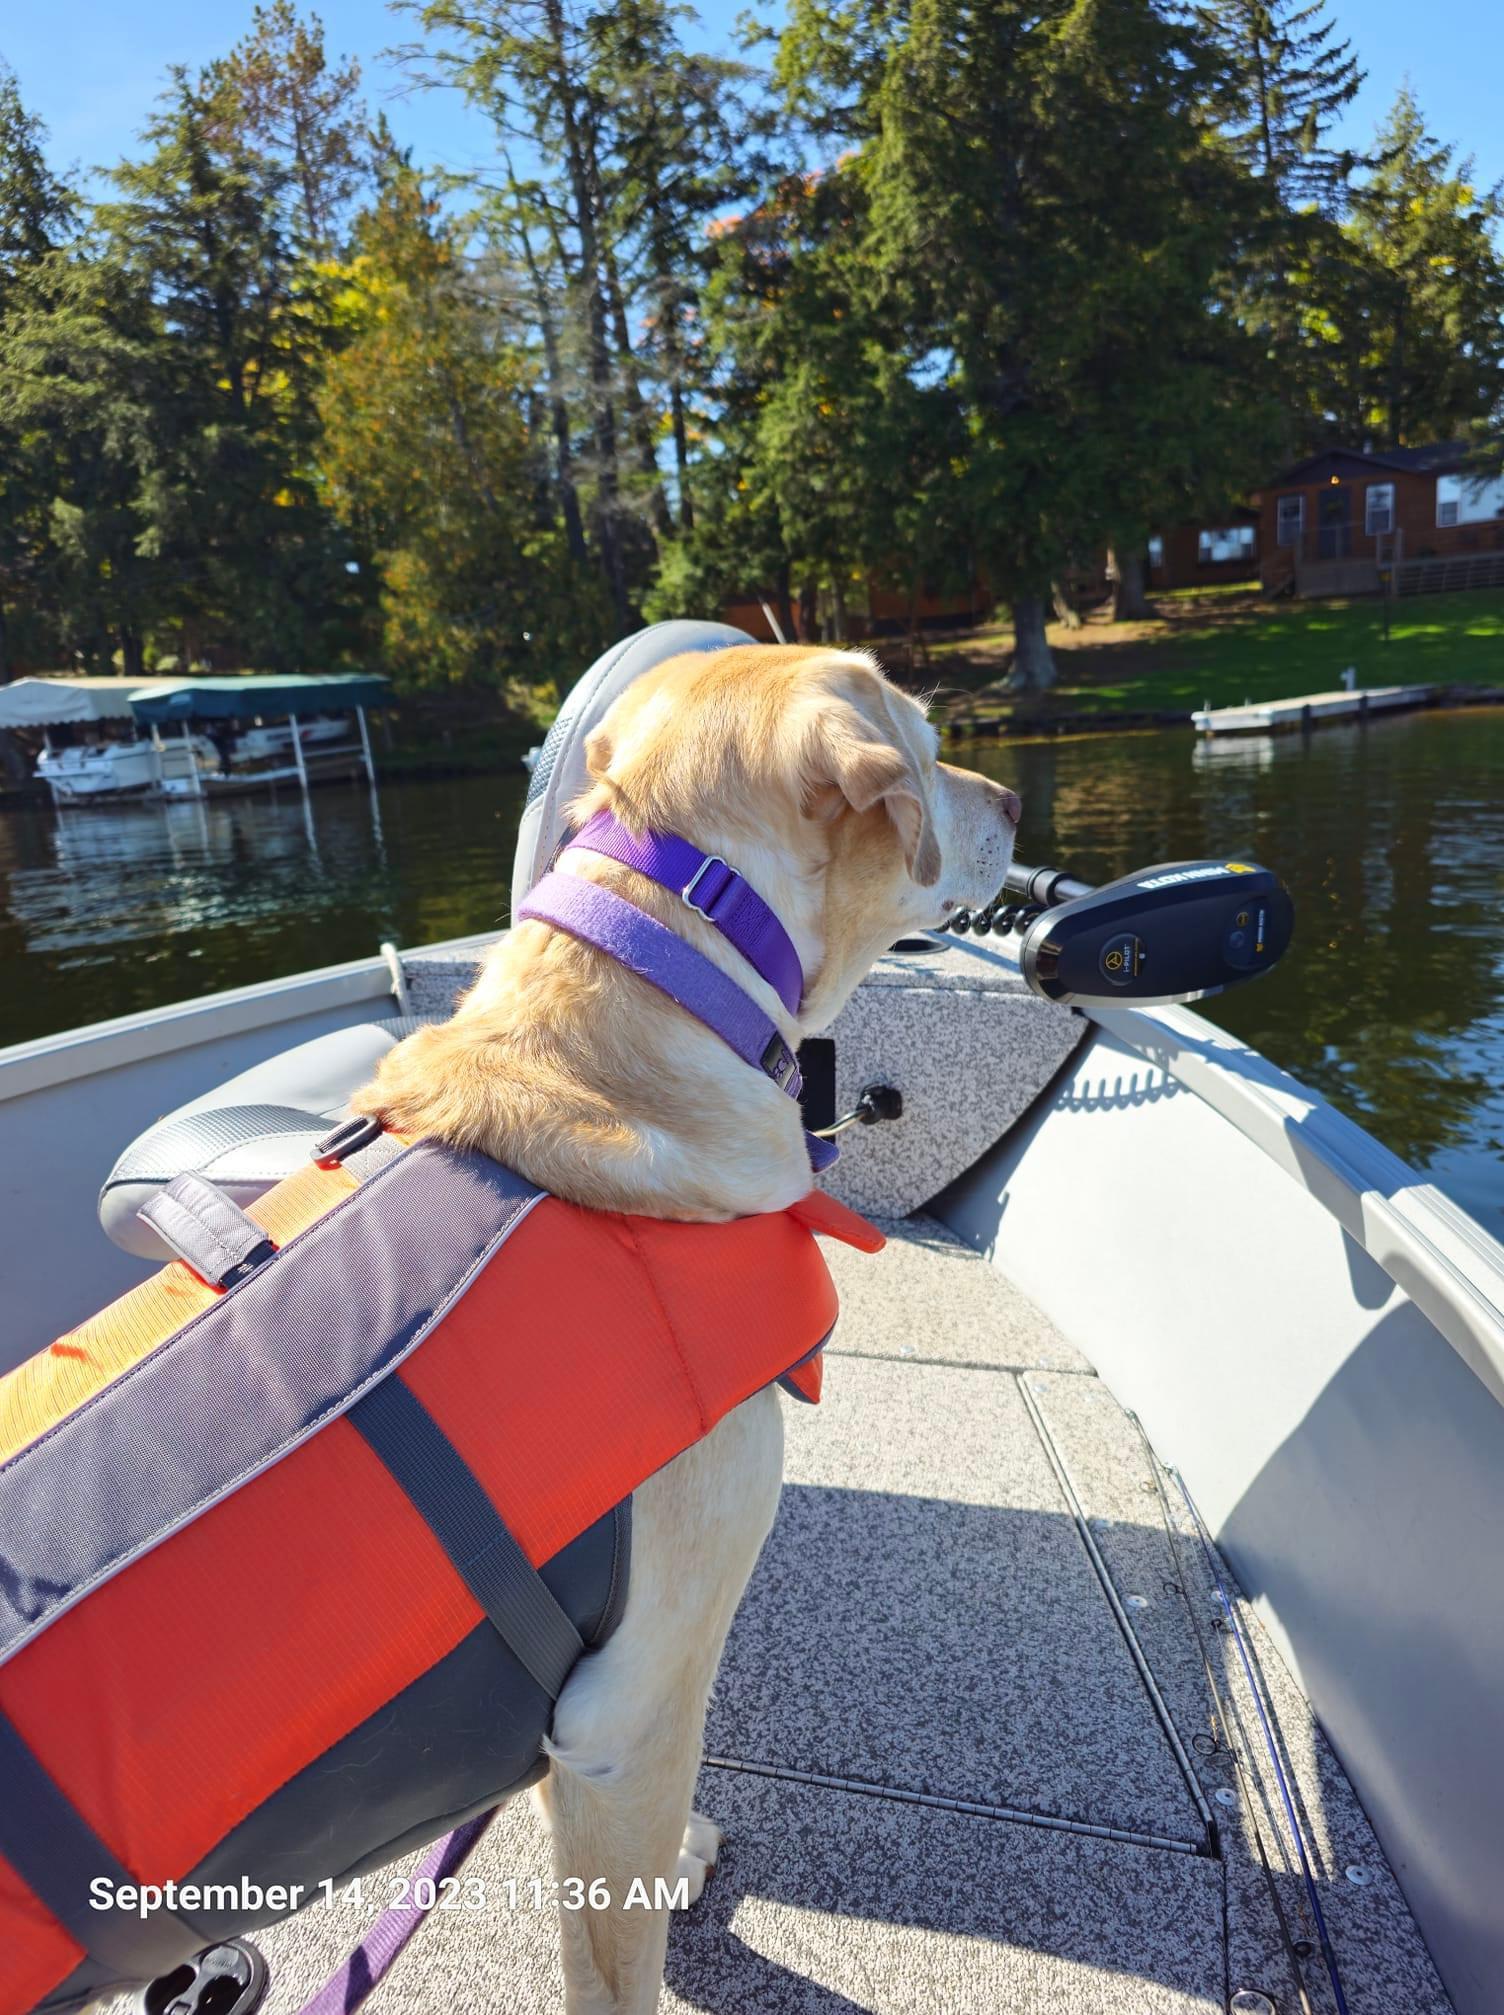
x,y
598,916
712,888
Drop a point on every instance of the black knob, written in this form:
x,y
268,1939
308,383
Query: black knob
x,y
880,1101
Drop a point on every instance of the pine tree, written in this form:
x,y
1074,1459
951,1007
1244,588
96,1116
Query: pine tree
x,y
1049,220
1289,81
1433,320
247,557
75,367
37,214
288,101
677,161
37,211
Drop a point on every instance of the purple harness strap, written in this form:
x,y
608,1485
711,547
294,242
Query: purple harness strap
x,y
356,1976
713,889
598,916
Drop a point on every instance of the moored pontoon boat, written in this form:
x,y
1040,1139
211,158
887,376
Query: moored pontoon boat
x,y
1131,1634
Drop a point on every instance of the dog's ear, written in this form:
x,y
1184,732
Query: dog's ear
x,y
854,755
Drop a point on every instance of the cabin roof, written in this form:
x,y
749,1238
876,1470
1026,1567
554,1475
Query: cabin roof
x,y
1431,459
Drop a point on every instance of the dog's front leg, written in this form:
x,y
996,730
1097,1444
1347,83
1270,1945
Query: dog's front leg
x,y
629,1726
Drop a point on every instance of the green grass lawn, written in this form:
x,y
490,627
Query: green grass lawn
x,y
1229,649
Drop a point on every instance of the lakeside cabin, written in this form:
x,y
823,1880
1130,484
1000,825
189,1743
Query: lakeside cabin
x,y
1349,522
1345,522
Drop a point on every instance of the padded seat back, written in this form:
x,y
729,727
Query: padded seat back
x,y
249,1133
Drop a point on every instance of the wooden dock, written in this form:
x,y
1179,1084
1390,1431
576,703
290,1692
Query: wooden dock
x,y
1308,710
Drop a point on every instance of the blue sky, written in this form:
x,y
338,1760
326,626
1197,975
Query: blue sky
x,y
92,67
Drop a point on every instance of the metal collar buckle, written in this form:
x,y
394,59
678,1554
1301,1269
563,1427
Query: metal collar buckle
x,y
782,1066
687,893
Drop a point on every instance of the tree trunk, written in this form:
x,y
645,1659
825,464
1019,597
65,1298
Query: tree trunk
x,y
1033,664
785,604
1129,603
808,613
681,459
1397,379
569,500
133,656
838,607
639,419
1065,610
5,672
587,224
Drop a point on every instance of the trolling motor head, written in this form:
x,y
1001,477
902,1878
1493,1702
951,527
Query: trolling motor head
x,y
1175,932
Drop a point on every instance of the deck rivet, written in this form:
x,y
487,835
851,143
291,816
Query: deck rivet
x,y
1359,1877
1225,1796
1249,2001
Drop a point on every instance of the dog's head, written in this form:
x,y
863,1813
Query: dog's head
x,y
817,778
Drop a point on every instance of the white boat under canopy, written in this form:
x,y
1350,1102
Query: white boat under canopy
x,y
1131,1637
203,737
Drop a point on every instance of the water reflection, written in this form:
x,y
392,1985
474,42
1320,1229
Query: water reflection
x,y
1235,752
1391,836
106,911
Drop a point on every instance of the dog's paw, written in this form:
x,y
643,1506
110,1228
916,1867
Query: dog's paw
x,y
697,1856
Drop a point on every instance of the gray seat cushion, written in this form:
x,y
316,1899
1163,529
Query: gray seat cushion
x,y
560,774
250,1132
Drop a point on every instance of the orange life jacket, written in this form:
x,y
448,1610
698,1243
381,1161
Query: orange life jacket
x,y
359,1494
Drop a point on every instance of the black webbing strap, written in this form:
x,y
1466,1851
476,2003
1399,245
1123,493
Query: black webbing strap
x,y
57,1854
448,1497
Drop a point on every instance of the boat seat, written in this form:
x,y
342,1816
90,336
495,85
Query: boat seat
x,y
249,1132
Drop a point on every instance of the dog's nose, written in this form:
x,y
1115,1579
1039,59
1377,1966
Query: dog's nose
x,y
1012,807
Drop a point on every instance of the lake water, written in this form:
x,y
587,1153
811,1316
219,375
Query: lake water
x,y
1391,837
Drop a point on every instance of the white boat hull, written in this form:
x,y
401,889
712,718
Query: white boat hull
x,y
1315,1339
1310,1334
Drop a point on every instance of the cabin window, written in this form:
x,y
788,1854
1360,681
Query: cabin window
x,y
1467,500
1156,551
1378,509
1290,520
1226,543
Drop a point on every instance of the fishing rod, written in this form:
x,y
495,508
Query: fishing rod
x,y
1175,932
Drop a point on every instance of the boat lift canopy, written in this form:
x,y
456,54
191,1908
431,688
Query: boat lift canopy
x,y
53,703
240,698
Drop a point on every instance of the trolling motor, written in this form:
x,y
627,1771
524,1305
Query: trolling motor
x,y
1176,932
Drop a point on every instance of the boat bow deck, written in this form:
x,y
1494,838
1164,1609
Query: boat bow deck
x,y
964,1755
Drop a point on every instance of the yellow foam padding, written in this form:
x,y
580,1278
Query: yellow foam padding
x,y
57,1381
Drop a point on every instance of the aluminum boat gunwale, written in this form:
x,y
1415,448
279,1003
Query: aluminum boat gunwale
x,y
1214,1408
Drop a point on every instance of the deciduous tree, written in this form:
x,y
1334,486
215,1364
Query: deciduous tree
x,y
425,456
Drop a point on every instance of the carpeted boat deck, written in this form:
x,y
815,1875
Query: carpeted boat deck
x,y
964,1746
